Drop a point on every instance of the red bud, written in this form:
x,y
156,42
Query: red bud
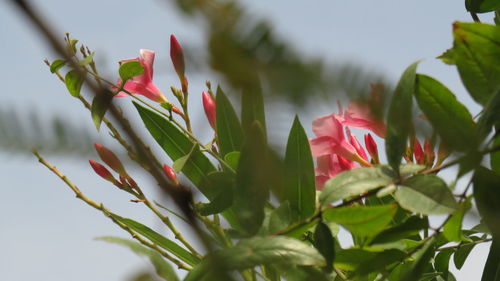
x,y
110,159
102,171
418,152
170,173
354,142
209,107
371,147
429,153
177,56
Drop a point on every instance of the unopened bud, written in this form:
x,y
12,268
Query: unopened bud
x,y
371,147
418,152
209,107
429,153
354,142
102,171
177,56
184,84
110,159
171,175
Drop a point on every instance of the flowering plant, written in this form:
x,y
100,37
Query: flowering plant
x,y
271,217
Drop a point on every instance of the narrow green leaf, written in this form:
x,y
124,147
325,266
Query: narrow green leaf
x,y
399,117
224,199
259,251
476,53
158,239
56,65
73,82
130,69
412,226
453,228
354,182
451,119
100,105
324,242
229,131
88,59
300,188
491,270
486,184
252,107
364,221
252,180
179,164
162,267
426,194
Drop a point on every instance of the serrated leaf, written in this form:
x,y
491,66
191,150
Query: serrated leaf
x,y
452,229
412,226
158,239
324,242
259,251
354,182
363,221
300,183
162,267
73,82
100,105
229,131
56,65
130,69
451,119
399,117
426,194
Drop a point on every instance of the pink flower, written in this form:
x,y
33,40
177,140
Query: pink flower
x,y
359,115
330,139
329,166
209,107
355,143
177,56
143,84
371,147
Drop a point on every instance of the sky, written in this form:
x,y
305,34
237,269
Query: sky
x,y
47,234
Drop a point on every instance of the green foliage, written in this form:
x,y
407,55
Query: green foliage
x,y
482,6
229,131
56,65
130,69
73,82
100,105
300,188
162,267
451,119
399,117
324,242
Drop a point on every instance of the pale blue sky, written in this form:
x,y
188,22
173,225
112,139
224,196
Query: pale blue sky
x,y
46,233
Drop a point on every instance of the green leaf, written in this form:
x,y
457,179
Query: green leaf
x,y
426,194
412,226
461,255
56,65
453,227
482,6
495,156
252,107
158,239
300,188
229,131
451,119
364,221
232,159
442,262
130,69
73,82
88,59
399,117
350,259
181,162
379,262
252,180
324,242
491,270
162,267
486,184
490,118
281,217
100,105
476,53
422,258
354,182
255,251
224,199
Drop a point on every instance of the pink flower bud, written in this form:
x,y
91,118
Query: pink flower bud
x,y
418,152
170,174
209,106
102,171
354,142
110,159
371,147
177,56
429,152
